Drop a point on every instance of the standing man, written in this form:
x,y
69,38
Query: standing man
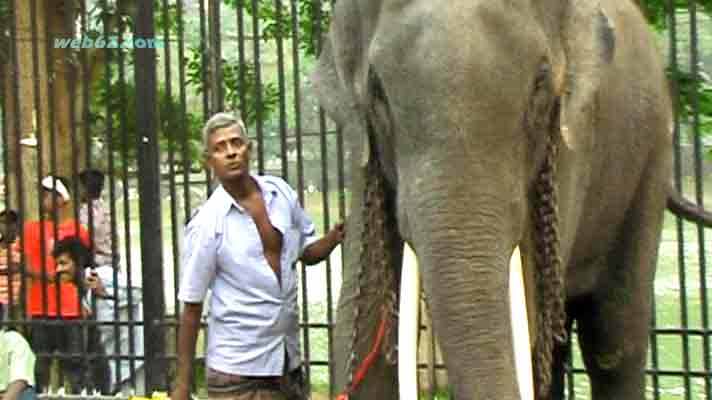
x,y
54,298
243,244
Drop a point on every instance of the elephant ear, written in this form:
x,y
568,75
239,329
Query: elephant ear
x,y
589,41
334,84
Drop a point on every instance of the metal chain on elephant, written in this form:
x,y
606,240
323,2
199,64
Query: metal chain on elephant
x,y
551,318
374,253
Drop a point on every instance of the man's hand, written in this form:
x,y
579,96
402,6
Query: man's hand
x,y
64,273
14,389
187,336
319,250
92,282
336,234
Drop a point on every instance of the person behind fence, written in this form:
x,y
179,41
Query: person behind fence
x,y
53,301
10,277
243,245
91,185
74,262
17,362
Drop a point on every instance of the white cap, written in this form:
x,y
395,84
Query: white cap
x,y
56,185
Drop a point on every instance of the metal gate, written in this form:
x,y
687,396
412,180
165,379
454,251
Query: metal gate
x,y
124,86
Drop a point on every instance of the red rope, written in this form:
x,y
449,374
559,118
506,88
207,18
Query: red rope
x,y
367,362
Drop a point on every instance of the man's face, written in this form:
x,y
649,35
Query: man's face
x,y
229,153
48,201
83,192
8,229
65,267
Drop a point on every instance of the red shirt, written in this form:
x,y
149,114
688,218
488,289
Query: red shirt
x,y
68,292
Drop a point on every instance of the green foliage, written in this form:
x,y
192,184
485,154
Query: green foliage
x,y
121,102
688,86
169,16
657,11
312,18
5,13
231,85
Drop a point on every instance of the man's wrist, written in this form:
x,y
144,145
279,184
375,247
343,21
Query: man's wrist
x,y
333,238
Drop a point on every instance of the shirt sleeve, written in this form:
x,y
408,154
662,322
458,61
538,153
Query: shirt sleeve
x,y
22,365
199,263
303,223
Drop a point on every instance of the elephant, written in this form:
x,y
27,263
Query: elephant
x,y
479,126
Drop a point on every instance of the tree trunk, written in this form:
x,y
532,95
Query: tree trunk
x,y
42,102
20,113
67,95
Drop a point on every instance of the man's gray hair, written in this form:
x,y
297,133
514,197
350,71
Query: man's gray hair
x,y
219,121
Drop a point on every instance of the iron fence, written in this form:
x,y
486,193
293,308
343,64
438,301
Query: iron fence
x,y
135,110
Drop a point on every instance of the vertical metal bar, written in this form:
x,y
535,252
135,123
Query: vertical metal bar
x,y
682,269
38,135
6,181
18,133
150,205
675,102
434,358
300,169
239,4
85,83
185,137
112,195
699,189
282,90
256,38
216,59
654,358
184,113
208,109
171,158
569,368
123,126
325,190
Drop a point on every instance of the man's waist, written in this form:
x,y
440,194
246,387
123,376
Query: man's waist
x,y
232,377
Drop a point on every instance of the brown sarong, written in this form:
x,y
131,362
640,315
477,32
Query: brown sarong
x,y
225,386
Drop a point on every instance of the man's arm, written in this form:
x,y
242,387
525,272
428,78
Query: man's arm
x,y
14,389
319,250
187,336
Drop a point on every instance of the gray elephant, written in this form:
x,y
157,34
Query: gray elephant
x,y
477,126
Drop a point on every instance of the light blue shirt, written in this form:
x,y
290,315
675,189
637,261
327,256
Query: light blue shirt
x,y
252,319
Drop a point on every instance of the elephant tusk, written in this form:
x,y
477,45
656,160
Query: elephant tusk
x,y
408,328
520,327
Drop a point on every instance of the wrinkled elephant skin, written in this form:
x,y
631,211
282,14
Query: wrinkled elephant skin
x,y
451,105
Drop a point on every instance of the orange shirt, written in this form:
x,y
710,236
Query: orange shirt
x,y
68,292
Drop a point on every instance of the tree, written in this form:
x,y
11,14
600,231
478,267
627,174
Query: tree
x,y
688,85
45,88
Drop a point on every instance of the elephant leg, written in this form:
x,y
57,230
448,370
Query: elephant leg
x,y
614,331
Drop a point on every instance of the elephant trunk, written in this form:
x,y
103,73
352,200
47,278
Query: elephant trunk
x,y
468,291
